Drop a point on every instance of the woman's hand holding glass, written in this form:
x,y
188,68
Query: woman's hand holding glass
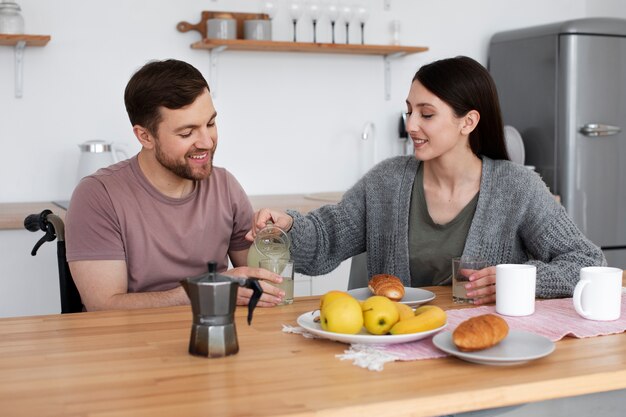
x,y
482,286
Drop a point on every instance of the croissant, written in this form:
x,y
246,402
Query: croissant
x,y
387,285
480,332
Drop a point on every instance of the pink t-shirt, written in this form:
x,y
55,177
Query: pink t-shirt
x,y
116,214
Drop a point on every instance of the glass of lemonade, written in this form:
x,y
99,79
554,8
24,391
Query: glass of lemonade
x,y
284,268
462,268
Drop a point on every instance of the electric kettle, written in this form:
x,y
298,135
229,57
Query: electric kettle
x,y
213,300
96,154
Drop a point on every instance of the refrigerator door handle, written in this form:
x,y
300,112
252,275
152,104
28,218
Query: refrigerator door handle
x,y
597,129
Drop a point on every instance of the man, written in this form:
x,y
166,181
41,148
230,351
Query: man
x,y
136,228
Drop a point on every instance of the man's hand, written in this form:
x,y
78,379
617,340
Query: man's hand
x,y
271,295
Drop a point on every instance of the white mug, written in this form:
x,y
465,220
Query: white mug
x,y
598,294
515,289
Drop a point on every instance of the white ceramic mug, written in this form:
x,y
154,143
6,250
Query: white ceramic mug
x,y
598,294
515,289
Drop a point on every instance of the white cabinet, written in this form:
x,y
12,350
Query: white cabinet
x,y
28,284
336,280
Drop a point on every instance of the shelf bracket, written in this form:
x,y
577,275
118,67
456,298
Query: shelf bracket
x,y
19,68
388,59
213,57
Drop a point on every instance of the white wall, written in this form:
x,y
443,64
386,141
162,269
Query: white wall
x,y
304,110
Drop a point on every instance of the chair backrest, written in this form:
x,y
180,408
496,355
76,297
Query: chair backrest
x,y
359,276
54,228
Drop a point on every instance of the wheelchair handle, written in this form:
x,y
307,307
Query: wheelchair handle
x,y
47,222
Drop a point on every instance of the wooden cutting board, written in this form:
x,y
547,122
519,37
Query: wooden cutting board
x,y
206,15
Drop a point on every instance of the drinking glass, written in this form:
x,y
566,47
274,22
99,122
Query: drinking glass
x,y
462,268
332,10
362,14
295,12
346,14
314,10
284,268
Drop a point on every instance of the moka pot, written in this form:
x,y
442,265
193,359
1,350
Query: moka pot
x,y
213,299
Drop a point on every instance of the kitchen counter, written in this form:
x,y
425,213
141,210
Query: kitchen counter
x,y
12,215
136,363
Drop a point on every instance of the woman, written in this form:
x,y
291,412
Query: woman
x,y
458,195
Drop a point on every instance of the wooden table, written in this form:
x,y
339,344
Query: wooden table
x,y
136,363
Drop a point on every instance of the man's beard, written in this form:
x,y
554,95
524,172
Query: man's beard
x,y
184,170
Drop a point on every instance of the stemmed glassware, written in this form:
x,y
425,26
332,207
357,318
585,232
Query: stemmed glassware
x,y
346,14
362,14
332,10
295,12
314,10
269,8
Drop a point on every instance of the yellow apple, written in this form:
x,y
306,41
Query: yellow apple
x,y
342,315
379,314
404,310
330,296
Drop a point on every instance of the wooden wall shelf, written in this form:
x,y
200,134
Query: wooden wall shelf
x,y
388,52
319,48
20,42
31,40
216,46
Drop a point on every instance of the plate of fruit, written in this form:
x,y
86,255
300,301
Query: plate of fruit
x,y
376,320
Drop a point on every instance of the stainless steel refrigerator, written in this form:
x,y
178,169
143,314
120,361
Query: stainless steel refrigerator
x,y
563,86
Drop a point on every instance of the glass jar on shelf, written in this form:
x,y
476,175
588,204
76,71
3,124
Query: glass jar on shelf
x,y
11,19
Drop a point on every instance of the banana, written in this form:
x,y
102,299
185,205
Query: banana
x,y
426,318
404,310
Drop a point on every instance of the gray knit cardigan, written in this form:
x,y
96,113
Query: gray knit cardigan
x,y
517,220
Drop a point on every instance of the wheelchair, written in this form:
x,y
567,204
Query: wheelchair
x,y
54,228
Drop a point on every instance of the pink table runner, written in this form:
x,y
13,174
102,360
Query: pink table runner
x,y
553,319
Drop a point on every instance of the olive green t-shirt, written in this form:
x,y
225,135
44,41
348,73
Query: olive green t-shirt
x,y
432,246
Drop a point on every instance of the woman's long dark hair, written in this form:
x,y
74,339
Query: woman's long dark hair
x,y
466,85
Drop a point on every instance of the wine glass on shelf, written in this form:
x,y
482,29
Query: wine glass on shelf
x,y
362,14
314,10
346,11
269,8
295,12
332,10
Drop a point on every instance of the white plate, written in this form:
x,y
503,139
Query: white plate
x,y
518,347
306,321
412,296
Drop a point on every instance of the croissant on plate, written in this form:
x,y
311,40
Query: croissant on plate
x,y
387,285
480,332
